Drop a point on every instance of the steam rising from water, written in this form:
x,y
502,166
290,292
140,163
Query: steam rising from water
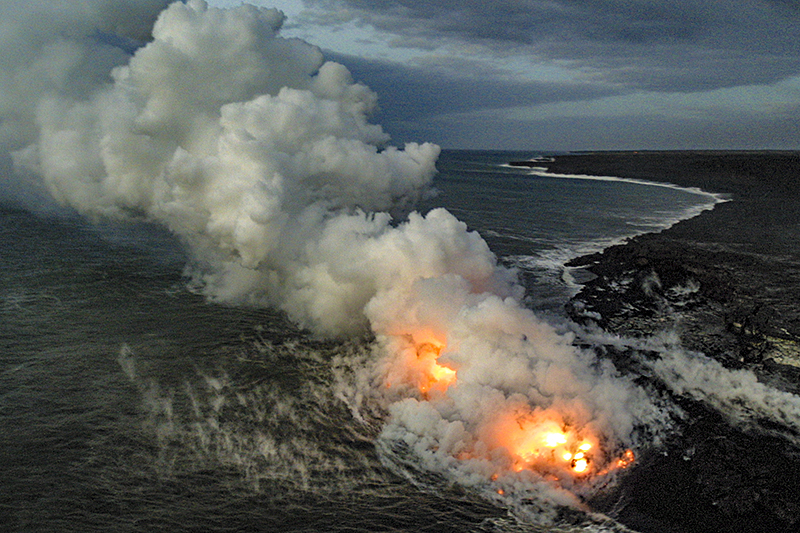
x,y
261,158
246,145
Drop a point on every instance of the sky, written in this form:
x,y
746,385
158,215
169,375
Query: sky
x,y
568,74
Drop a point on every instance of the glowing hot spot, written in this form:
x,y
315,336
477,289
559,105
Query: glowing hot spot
x,y
626,460
433,375
442,375
552,440
418,366
543,442
580,465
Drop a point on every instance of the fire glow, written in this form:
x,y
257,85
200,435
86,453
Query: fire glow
x,y
542,442
433,376
536,440
419,367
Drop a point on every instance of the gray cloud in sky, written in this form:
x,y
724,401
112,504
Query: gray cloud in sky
x,y
650,130
651,44
703,57
469,86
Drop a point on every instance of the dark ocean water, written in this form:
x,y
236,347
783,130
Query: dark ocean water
x,y
129,403
538,222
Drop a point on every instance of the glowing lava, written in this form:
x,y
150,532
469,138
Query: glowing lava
x,y
419,366
546,441
438,377
543,442
626,460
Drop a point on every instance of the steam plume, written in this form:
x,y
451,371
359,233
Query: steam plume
x,y
261,158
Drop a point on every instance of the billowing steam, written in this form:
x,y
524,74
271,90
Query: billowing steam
x,y
260,157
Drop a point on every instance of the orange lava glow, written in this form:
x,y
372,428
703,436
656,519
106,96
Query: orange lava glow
x,y
432,375
626,460
543,442
438,376
520,438
420,367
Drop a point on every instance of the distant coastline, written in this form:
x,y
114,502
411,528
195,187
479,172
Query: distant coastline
x,y
534,162
747,251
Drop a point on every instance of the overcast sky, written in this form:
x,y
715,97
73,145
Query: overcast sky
x,y
568,74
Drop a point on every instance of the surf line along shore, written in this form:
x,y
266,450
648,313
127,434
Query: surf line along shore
x,y
744,256
726,282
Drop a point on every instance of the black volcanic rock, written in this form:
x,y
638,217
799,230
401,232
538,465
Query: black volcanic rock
x,y
714,304
728,283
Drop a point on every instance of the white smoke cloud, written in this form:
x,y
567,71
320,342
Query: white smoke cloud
x,y
63,49
261,157
511,369
244,143
58,48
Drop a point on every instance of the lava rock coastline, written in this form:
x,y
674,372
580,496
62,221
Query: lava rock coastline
x,y
727,282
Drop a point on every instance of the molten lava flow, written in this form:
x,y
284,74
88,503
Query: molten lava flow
x,y
439,376
626,460
543,442
554,439
580,465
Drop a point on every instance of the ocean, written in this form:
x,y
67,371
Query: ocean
x,y
537,221
131,402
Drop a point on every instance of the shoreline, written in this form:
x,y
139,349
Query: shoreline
x,y
727,282
733,271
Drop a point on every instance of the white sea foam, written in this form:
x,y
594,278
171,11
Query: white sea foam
x,y
715,197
